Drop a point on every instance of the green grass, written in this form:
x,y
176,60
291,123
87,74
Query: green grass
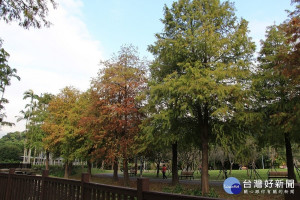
x,y
241,174
213,174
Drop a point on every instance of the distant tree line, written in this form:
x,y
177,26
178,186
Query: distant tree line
x,y
11,147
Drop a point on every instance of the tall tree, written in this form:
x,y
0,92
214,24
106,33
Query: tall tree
x,y
29,13
290,57
35,133
61,125
87,128
6,74
24,116
28,114
92,126
118,87
201,69
291,70
278,88
41,116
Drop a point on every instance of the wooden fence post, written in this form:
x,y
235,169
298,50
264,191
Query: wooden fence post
x,y
142,186
85,178
45,173
9,183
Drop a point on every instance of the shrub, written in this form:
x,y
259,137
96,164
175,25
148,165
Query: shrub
x,y
57,170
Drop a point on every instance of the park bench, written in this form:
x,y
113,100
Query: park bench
x,y
24,171
20,168
4,170
132,172
277,175
186,175
20,171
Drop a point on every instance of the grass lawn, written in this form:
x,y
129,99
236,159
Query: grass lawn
x,y
214,175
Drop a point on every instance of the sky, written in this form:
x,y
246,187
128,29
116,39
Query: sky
x,y
85,32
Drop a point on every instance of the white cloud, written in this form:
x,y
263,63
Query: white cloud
x,y
49,59
258,31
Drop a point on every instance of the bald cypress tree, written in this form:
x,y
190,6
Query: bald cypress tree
x,y
277,85
200,72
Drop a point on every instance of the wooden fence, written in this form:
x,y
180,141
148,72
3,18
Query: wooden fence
x,y
24,187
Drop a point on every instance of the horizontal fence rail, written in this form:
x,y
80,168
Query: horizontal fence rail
x,y
24,187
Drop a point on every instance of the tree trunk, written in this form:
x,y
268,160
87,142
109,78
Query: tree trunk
x,y
34,156
66,170
115,167
289,157
29,156
231,164
175,179
157,169
47,160
102,165
203,123
136,165
141,167
204,176
89,169
125,172
70,166
214,164
25,155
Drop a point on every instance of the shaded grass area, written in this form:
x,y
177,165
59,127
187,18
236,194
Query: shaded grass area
x,y
214,175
